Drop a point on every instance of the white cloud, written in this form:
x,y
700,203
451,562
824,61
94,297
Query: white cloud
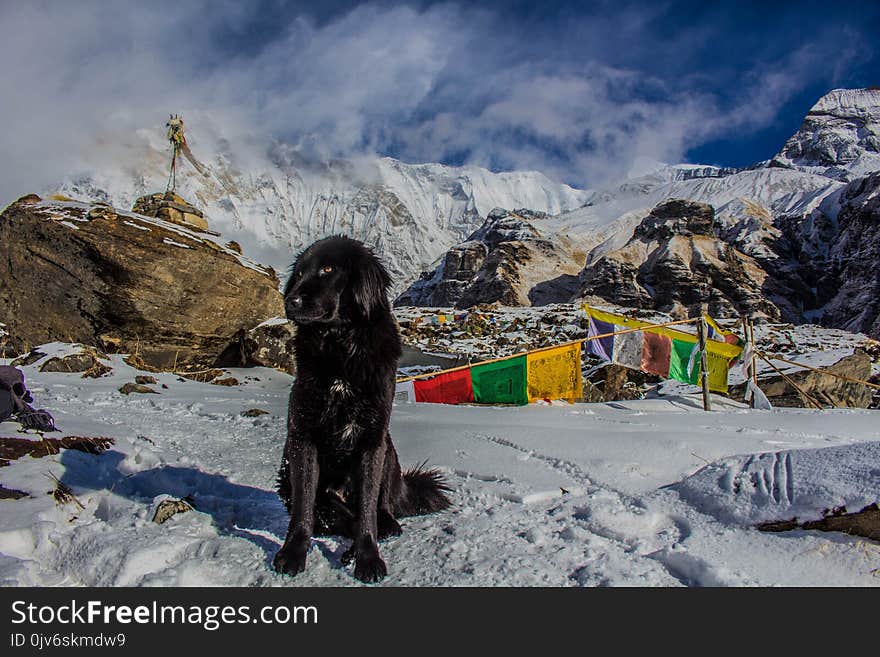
x,y
439,84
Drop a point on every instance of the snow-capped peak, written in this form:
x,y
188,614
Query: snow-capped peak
x,y
839,138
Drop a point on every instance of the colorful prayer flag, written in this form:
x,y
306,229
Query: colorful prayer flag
x,y
601,347
501,382
628,349
656,349
449,388
665,351
684,361
555,374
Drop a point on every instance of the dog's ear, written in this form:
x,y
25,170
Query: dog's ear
x,y
369,285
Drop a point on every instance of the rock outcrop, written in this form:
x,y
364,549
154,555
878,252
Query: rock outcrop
x,y
75,272
271,344
825,389
507,261
676,263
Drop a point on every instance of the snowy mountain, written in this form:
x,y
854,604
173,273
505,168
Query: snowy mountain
x,y
274,202
839,138
777,221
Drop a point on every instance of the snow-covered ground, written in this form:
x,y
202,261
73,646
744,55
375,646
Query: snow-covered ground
x,y
648,493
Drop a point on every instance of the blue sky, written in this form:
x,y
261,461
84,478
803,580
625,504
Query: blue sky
x,y
577,90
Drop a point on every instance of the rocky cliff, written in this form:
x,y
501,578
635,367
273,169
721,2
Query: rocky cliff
x,y
507,260
124,282
676,263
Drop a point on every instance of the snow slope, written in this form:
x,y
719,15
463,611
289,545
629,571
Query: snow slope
x,y
617,494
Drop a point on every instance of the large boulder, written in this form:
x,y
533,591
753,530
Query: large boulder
x,y
826,389
271,344
75,272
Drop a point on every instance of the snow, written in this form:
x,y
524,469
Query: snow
x,y
273,321
173,243
627,493
134,225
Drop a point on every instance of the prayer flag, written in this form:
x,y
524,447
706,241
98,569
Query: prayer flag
x,y
502,382
555,373
448,388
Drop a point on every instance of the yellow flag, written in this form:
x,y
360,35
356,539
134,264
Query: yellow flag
x,y
555,374
718,365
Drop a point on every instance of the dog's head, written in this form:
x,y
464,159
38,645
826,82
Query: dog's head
x,y
336,279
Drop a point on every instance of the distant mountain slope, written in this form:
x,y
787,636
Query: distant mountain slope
x,y
786,240
839,138
275,204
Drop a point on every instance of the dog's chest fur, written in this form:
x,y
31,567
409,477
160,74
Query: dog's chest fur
x,y
339,380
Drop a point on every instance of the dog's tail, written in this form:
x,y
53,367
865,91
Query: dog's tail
x,y
424,491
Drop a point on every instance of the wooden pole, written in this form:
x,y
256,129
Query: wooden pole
x,y
794,385
750,366
704,363
754,350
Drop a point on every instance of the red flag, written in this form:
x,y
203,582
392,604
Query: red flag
x,y
656,350
449,388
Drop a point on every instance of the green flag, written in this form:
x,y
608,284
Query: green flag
x,y
503,382
681,358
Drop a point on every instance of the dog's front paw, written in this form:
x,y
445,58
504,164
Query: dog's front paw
x,y
370,568
290,560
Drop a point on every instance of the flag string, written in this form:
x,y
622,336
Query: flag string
x,y
427,375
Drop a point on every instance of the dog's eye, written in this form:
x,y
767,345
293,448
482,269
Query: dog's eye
x,y
326,270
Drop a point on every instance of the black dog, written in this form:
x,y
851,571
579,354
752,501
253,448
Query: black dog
x,y
340,474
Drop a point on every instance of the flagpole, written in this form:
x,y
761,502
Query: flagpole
x,y
704,363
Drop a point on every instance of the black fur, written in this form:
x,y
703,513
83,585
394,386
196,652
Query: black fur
x,y
340,474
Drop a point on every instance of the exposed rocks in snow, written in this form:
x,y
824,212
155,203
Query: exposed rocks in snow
x,y
105,282
168,508
617,383
14,448
228,381
129,388
67,358
269,344
860,523
82,361
11,493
